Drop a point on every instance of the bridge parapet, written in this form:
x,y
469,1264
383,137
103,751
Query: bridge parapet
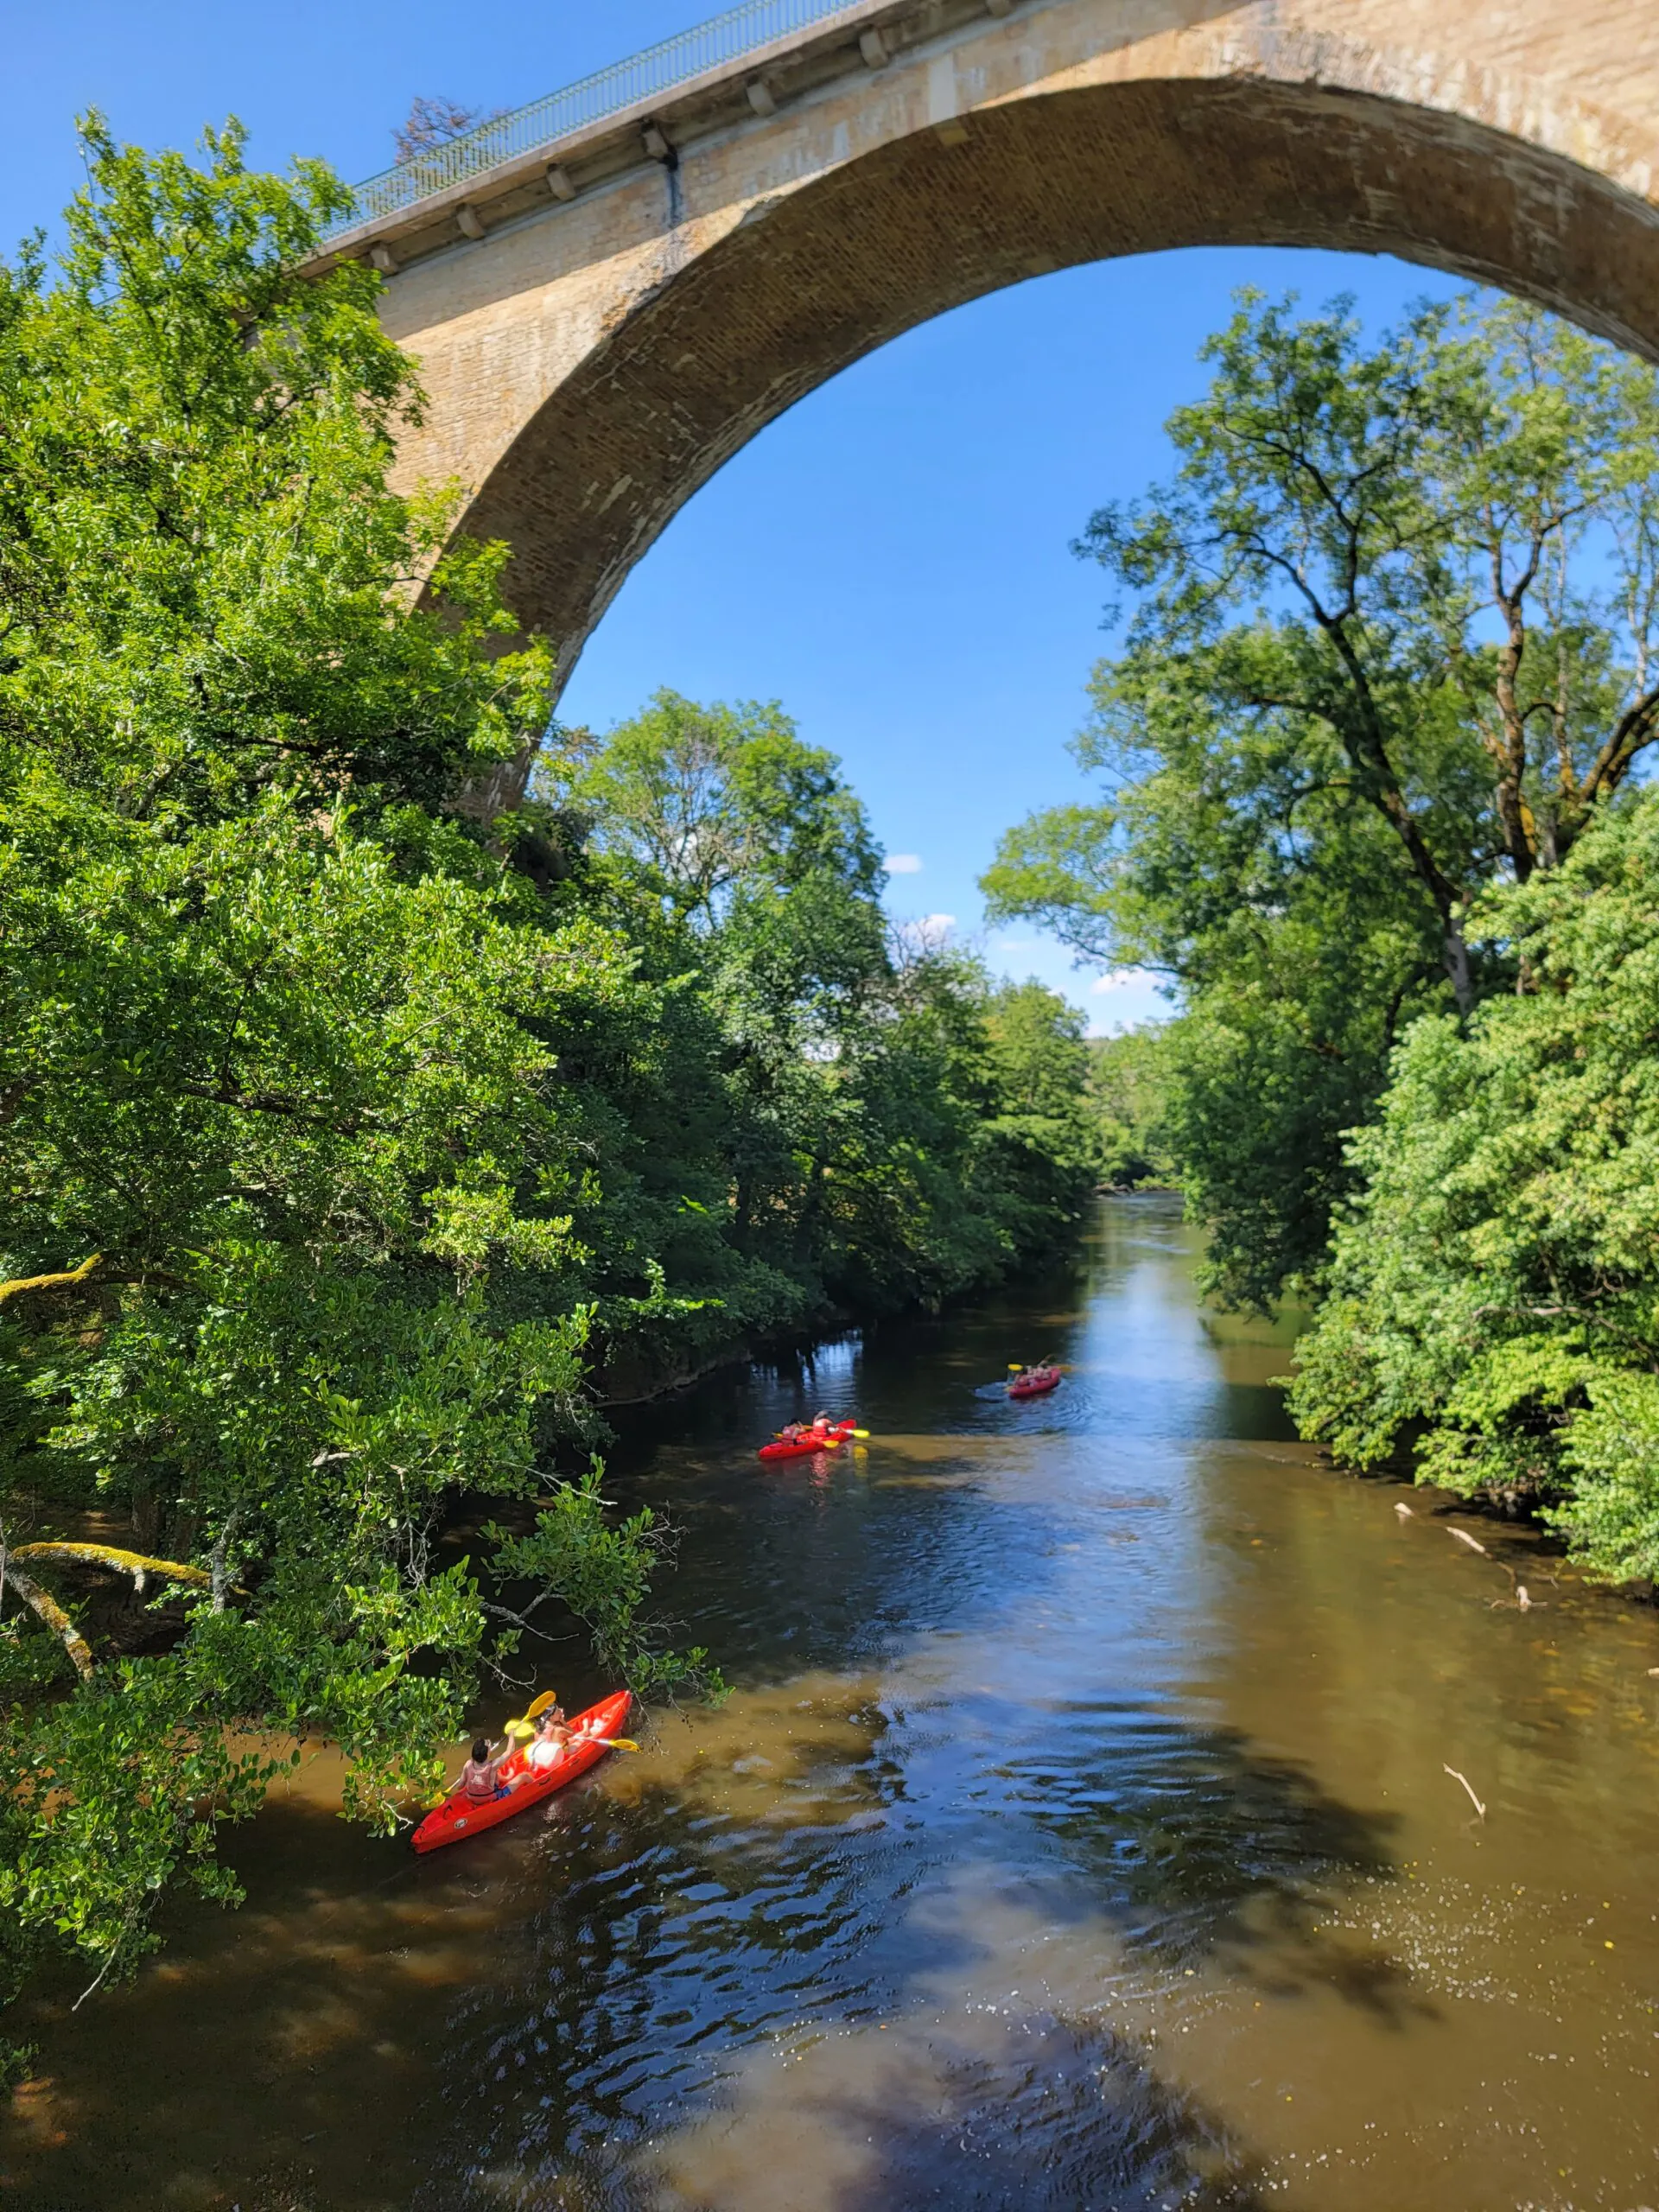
x,y
742,65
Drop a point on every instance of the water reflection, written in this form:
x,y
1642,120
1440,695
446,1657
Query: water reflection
x,y
1077,1835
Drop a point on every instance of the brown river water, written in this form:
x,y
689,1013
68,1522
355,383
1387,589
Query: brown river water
x,y
1077,1835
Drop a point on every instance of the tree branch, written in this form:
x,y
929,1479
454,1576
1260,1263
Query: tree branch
x,y
54,1617
20,1284
1633,729
268,1102
136,1564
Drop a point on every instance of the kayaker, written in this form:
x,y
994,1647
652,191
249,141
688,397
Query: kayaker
x,y
820,1422
481,1778
550,1741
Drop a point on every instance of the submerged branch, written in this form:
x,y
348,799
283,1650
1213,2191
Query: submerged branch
x,y
1464,1778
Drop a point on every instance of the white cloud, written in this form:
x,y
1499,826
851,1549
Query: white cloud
x,y
939,921
904,864
1136,995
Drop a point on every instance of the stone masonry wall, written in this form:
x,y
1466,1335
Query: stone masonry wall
x,y
589,365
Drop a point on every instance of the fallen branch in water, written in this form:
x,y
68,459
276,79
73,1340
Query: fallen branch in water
x,y
1464,1779
1522,1600
1404,1511
1464,1537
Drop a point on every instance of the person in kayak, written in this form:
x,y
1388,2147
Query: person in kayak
x,y
551,1741
481,1778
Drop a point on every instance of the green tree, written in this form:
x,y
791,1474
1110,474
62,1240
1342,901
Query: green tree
x,y
1392,641
1128,1101
1494,1284
746,864
704,799
1038,1065
286,1232
886,1129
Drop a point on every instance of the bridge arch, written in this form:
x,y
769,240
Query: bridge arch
x,y
592,360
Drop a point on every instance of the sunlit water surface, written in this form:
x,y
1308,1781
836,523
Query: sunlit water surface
x,y
1079,1834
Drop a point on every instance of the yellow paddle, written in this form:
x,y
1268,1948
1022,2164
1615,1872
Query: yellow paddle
x,y
519,1730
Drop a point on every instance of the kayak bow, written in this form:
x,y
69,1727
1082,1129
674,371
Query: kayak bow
x,y
460,1816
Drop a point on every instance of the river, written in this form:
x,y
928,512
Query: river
x,y
1077,1835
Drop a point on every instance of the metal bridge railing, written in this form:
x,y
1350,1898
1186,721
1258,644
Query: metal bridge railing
x,y
723,39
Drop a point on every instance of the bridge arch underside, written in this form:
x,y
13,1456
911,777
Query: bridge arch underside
x,y
813,278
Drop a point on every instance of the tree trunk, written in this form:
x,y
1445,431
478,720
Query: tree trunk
x,y
1456,953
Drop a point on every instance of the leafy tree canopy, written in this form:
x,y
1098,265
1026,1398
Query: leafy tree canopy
x,y
1391,641
1129,1101
703,798
288,1252
1494,1308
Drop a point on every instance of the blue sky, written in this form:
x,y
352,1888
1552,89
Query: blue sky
x,y
890,558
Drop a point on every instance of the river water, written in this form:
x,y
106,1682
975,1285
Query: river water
x,y
1077,1835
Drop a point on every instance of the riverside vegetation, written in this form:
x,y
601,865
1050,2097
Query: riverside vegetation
x,y
346,1135
1373,757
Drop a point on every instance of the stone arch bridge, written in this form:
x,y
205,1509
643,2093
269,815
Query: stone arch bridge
x,y
609,293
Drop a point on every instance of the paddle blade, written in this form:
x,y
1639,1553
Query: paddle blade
x,y
862,1433
548,1697
519,1730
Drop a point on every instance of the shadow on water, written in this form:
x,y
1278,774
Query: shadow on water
x,y
758,1933
1197,1847
912,2119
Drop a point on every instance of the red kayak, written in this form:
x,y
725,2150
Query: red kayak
x,y
458,1816
810,1441
1035,1382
